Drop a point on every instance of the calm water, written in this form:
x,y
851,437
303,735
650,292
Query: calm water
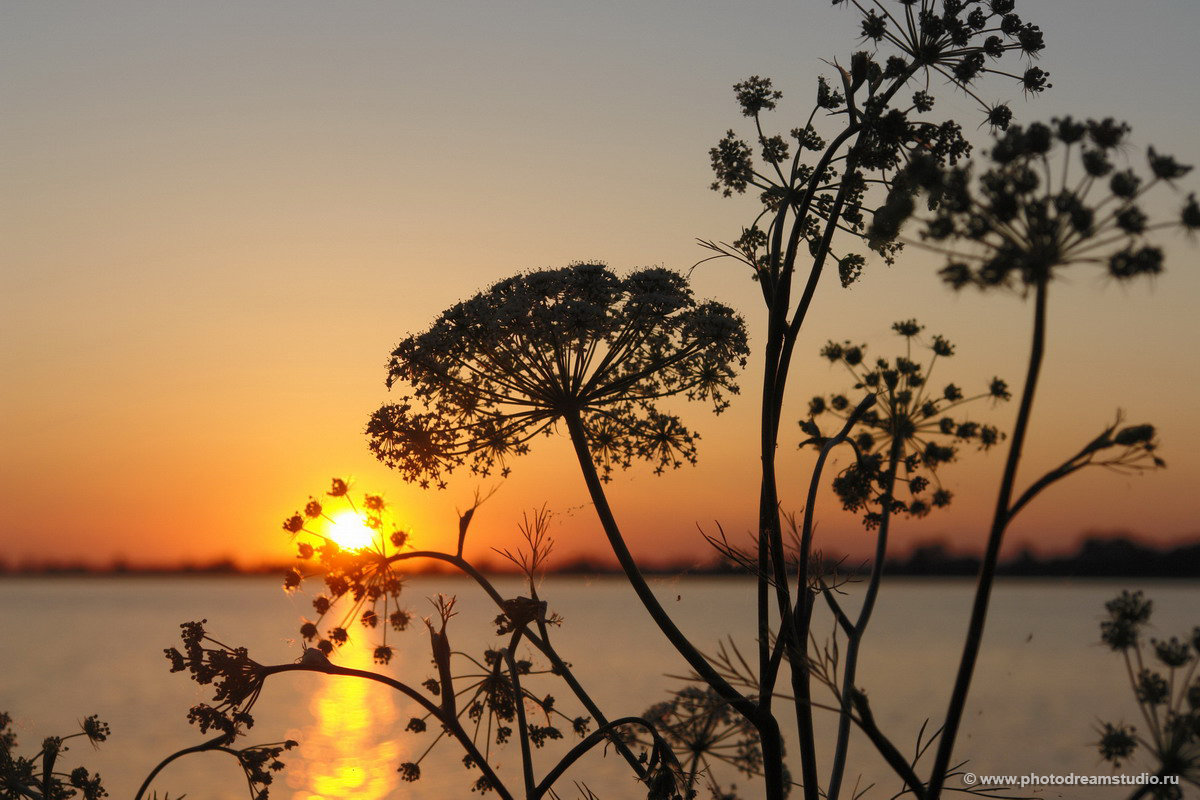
x,y
79,647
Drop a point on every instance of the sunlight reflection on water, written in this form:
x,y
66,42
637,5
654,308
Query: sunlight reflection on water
x,y
350,750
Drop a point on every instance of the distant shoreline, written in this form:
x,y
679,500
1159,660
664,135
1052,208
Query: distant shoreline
x,y
1097,557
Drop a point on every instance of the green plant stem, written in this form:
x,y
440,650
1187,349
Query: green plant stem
x,y
987,570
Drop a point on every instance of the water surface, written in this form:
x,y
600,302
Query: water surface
x,y
84,646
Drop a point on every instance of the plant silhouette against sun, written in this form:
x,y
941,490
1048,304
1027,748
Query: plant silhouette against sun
x,y
582,351
366,577
578,345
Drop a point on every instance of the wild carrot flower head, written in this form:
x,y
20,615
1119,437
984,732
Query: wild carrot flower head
x,y
504,366
1117,742
1128,612
259,764
911,421
362,581
1054,195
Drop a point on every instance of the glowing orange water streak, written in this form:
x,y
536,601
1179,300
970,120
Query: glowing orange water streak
x,y
352,748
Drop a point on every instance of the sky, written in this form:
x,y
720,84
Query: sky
x,y
218,219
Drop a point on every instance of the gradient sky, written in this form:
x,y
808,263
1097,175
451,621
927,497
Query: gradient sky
x,y
219,217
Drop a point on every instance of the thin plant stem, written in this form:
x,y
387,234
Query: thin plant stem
x,y
542,643
855,636
602,734
211,744
519,702
768,728
987,570
798,632
447,720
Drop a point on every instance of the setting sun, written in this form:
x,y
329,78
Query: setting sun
x,y
351,531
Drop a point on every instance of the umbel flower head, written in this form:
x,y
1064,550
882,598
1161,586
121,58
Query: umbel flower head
x,y
699,724
910,422
363,583
1052,197
504,366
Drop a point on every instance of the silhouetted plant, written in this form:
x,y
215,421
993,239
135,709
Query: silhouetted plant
x,y
1164,680
1018,226
582,351
476,701
817,188
41,776
577,345
909,426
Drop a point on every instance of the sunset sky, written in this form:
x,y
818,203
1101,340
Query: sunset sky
x,y
218,218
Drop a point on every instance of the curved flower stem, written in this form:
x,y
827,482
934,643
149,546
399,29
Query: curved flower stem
x,y
212,744
450,723
596,737
987,570
866,723
797,633
768,728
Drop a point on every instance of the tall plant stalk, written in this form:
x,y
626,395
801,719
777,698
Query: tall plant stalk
x,y
987,569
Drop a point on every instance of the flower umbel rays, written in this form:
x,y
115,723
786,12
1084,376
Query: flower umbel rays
x,y
910,424
1052,197
703,731
500,368
366,578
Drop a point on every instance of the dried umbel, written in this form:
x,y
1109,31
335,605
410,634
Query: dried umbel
x,y
578,343
236,679
915,426
704,731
